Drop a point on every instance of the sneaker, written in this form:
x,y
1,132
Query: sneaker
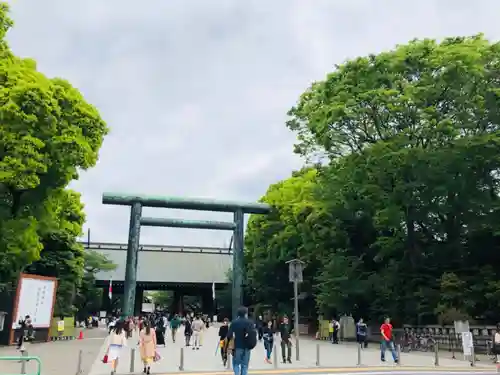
x,y
289,360
267,360
396,361
198,348
382,359
284,361
194,348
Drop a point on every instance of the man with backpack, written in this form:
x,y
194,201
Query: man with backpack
x,y
242,330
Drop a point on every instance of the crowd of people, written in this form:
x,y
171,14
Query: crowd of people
x,y
151,331
237,338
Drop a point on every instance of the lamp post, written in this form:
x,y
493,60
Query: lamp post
x,y
295,267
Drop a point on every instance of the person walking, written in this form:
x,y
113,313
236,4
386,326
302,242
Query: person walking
x,y
117,341
285,330
147,345
496,344
268,336
243,331
160,332
387,341
361,333
223,347
188,331
197,327
175,323
260,326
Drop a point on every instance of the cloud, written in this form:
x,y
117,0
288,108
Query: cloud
x,y
196,92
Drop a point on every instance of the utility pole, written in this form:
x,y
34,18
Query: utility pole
x,y
295,267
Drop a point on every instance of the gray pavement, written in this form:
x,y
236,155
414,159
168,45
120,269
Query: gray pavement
x,y
59,357
341,358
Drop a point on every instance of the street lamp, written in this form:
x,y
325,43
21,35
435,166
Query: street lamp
x,y
295,267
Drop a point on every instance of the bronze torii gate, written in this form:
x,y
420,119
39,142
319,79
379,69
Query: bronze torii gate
x,y
136,202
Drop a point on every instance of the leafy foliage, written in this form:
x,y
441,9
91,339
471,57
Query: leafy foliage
x,y
402,220
48,132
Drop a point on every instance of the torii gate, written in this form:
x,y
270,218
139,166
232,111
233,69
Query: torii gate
x,y
136,202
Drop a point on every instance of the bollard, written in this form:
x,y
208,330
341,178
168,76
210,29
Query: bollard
x,y
275,356
472,357
132,360
359,354
398,348
317,355
24,353
453,349
181,362
436,354
79,363
297,349
229,360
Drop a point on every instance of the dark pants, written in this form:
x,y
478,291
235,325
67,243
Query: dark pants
x,y
286,350
362,341
268,345
335,337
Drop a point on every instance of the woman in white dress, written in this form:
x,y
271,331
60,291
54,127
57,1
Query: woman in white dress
x,y
117,340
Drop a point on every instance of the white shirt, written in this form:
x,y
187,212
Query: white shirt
x,y
497,338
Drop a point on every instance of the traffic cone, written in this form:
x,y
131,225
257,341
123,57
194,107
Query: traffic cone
x,y
80,336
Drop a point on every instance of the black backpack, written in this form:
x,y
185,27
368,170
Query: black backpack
x,y
250,338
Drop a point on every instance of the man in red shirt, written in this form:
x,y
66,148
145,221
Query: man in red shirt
x,y
387,340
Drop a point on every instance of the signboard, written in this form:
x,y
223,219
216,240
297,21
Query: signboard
x,y
461,326
467,343
295,268
35,297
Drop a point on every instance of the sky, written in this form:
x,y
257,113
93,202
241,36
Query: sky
x,y
196,92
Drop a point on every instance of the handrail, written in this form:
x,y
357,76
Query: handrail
x,y
24,358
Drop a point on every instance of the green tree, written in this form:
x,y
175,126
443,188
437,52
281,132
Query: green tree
x,y
48,133
62,256
406,210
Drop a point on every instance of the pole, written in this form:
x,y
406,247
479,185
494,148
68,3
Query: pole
x,y
399,354
181,364
132,360
436,354
88,238
79,364
24,353
359,354
317,355
296,312
237,286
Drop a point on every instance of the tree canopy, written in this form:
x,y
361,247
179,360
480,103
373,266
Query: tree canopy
x,y
402,217
48,133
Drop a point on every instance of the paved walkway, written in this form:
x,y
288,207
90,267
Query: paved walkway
x,y
59,357
330,356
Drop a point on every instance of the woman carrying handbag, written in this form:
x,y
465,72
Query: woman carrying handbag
x,y
147,346
117,340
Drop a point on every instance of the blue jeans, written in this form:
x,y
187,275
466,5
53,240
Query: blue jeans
x,y
384,345
268,345
241,359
